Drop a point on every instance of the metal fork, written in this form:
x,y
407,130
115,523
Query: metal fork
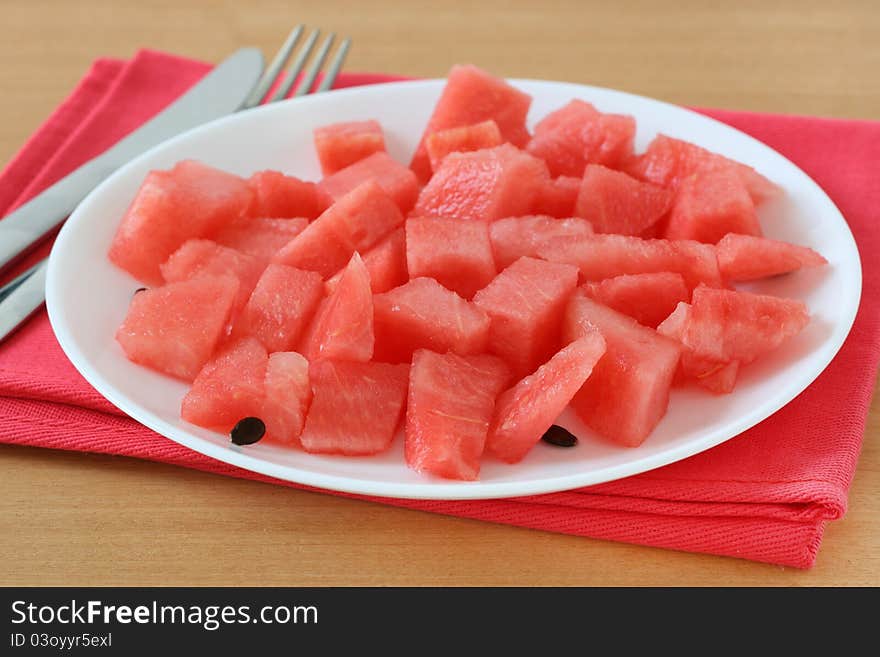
x,y
24,294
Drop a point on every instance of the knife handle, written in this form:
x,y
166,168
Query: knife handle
x,y
21,229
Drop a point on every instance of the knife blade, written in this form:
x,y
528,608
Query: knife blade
x,y
220,92
22,297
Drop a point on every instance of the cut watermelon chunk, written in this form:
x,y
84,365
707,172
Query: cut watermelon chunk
x,y
557,197
395,179
647,298
526,302
524,412
577,134
727,325
385,262
230,387
604,256
515,237
190,201
207,258
451,399
287,397
356,407
343,325
628,392
614,202
483,185
457,254
710,205
175,328
285,197
471,96
668,161
462,140
422,314
260,237
342,144
354,223
709,373
747,258
281,306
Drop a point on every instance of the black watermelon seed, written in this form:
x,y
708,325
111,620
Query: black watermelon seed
x,y
560,437
140,289
247,431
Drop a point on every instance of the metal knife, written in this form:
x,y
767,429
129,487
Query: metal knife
x,y
221,92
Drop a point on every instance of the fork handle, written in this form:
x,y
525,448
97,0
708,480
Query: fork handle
x,y
30,223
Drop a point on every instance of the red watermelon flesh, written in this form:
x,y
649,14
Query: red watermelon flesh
x,y
230,387
343,324
281,306
422,314
604,256
515,237
175,328
557,197
577,134
525,303
285,197
483,185
471,96
385,262
354,223
727,325
395,179
668,161
259,236
450,404
287,396
524,412
747,258
190,201
716,376
647,298
460,140
340,144
356,407
710,205
628,392
614,202
207,258
455,253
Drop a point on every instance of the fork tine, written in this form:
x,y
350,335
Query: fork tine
x,y
306,85
296,68
335,66
278,62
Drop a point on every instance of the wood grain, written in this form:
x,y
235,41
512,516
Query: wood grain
x,y
83,519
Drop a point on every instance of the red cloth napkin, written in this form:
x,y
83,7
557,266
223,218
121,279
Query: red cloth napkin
x,y
765,495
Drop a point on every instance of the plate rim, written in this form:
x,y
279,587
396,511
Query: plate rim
x,y
430,489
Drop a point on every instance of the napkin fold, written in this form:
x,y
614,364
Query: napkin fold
x,y
765,495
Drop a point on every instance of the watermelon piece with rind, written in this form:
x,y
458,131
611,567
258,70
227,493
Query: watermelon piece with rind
x,y
627,393
175,328
339,145
748,258
455,253
356,407
470,96
527,410
449,408
422,314
526,302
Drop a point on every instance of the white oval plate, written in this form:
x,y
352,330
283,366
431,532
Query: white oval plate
x,y
87,297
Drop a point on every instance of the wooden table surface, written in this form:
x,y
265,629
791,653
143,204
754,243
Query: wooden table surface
x,y
80,519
